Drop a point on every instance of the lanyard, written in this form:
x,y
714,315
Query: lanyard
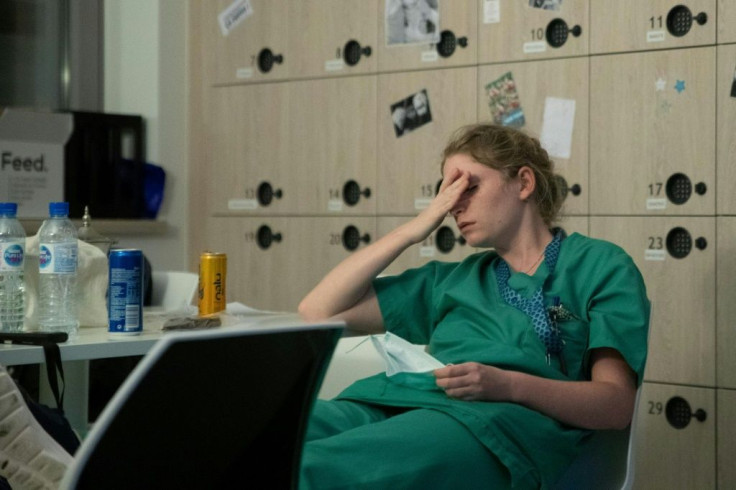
x,y
545,325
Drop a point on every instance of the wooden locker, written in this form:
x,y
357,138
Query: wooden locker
x,y
249,140
251,49
409,165
726,302
636,25
574,224
445,244
676,256
726,21
274,262
552,97
675,438
332,146
511,30
452,27
726,449
332,37
726,129
299,148
652,133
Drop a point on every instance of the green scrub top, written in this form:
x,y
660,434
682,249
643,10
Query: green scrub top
x,y
456,309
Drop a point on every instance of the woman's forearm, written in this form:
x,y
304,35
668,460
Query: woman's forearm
x,y
345,285
587,404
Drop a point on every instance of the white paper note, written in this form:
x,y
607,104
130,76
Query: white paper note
x,y
557,126
491,12
232,16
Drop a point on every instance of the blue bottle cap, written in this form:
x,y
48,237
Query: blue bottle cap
x,y
8,209
58,209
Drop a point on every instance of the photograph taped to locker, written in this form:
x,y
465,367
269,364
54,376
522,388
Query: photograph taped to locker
x,y
545,4
504,102
411,113
412,21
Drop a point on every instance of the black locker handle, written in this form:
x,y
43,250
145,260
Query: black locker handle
x,y
445,239
265,237
353,51
351,192
267,58
351,238
679,413
701,18
266,193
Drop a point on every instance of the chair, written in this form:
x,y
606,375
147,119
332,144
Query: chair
x,y
607,460
173,289
217,408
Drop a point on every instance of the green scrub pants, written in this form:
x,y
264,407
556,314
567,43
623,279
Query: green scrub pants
x,y
356,445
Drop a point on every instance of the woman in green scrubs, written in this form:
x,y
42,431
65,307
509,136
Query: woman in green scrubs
x,y
543,337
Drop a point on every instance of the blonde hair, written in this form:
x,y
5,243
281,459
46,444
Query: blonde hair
x,y
507,150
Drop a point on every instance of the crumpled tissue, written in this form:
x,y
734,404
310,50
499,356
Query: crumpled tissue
x,y
406,363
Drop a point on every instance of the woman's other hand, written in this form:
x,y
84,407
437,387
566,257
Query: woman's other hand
x,y
473,381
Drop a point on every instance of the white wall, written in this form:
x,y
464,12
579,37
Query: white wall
x,y
145,73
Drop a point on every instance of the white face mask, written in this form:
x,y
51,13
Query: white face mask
x,y
406,363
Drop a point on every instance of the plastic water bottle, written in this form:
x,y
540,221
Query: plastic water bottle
x,y
57,267
12,284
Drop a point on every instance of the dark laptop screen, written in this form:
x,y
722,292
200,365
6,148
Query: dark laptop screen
x,y
220,412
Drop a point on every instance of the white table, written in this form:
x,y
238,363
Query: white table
x,y
96,343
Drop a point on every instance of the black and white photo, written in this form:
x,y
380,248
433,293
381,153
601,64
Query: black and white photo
x,y
412,22
411,113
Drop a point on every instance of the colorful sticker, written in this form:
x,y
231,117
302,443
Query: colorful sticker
x,y
504,103
411,113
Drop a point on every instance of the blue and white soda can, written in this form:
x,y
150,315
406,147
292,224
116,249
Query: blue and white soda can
x,y
125,292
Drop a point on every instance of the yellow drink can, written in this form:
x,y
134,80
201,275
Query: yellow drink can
x,y
212,280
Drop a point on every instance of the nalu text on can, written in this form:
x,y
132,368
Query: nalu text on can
x,y
125,292
212,279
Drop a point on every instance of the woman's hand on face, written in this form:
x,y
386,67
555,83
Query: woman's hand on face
x,y
474,381
450,193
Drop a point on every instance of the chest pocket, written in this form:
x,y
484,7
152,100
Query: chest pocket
x,y
575,333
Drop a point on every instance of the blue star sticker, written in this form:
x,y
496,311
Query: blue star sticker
x,y
680,86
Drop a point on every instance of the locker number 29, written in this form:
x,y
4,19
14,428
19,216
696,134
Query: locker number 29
x,y
655,408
